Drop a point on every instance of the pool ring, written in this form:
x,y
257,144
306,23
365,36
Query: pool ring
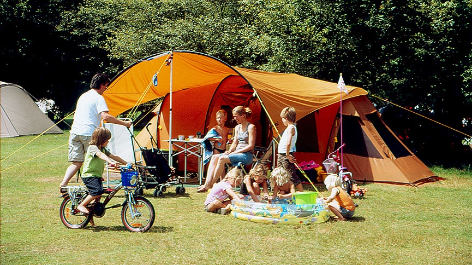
x,y
280,213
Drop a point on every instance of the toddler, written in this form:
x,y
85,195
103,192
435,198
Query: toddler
x,y
339,202
254,181
283,186
219,197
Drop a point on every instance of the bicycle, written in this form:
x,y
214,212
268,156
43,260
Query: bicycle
x,y
137,214
333,165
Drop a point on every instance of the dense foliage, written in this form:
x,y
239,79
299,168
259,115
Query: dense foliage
x,y
417,53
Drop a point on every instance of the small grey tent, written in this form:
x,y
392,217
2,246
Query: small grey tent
x,y
20,115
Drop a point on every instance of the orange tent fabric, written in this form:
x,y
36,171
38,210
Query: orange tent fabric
x,y
202,84
190,70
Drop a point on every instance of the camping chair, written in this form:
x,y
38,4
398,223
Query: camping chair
x,y
264,155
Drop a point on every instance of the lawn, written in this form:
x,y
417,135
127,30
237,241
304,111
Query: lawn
x,y
394,224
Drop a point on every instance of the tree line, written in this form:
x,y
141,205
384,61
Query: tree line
x,y
417,53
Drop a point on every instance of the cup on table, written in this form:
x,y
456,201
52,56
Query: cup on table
x,y
181,137
190,137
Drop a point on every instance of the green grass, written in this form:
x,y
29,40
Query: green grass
x,y
393,224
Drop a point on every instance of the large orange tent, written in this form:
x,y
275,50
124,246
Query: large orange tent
x,y
195,85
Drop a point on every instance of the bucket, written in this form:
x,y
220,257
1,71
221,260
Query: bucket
x,y
308,197
129,178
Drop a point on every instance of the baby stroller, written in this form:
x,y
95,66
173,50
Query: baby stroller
x,y
332,165
155,172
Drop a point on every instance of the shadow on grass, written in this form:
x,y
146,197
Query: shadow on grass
x,y
154,229
357,219
150,195
353,219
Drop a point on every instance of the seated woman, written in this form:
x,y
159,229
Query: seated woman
x,y
240,151
254,181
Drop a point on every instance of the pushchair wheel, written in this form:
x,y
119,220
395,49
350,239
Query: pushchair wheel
x,y
157,193
163,188
180,190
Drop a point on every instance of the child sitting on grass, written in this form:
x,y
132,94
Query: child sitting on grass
x,y
219,197
283,186
254,181
339,202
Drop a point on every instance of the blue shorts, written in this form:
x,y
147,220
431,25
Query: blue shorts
x,y
245,158
346,213
94,185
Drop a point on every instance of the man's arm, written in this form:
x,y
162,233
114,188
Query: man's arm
x,y
111,119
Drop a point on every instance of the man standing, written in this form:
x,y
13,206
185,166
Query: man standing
x,y
90,110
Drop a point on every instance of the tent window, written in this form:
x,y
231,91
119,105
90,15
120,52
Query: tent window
x,y
357,142
307,139
392,142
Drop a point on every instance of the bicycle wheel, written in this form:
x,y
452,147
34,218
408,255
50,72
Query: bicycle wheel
x,y
143,215
71,217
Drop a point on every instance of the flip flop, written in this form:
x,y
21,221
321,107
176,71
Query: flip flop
x,y
201,189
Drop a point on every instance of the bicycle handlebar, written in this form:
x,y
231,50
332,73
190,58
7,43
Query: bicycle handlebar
x,y
335,151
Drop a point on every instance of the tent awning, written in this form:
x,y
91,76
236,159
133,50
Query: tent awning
x,y
135,84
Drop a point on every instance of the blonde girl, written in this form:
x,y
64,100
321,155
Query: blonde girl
x,y
219,197
254,181
339,202
283,186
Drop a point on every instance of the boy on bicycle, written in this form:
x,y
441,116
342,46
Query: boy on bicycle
x,y
94,164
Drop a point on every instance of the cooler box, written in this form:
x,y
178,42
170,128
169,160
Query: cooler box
x,y
129,178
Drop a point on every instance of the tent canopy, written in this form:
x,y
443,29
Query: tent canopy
x,y
201,85
20,115
135,85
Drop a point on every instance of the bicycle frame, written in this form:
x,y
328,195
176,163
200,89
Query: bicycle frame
x,y
129,198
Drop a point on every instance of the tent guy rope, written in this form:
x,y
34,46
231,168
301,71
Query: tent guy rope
x,y
36,137
442,124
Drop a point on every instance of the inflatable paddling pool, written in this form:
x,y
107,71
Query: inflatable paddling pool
x,y
282,212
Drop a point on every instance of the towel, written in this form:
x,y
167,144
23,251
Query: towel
x,y
207,146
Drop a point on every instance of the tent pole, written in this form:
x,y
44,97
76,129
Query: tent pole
x,y
341,120
268,115
170,110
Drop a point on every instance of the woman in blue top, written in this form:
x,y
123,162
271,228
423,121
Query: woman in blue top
x,y
240,151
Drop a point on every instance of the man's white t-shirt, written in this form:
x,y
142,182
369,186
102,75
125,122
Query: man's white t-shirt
x,y
87,115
